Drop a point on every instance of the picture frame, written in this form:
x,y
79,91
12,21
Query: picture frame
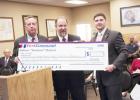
x,y
6,29
23,19
51,27
130,16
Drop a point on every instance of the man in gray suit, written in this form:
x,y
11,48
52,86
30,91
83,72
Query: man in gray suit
x,y
109,80
31,29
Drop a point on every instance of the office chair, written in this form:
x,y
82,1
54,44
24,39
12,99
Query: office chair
x,y
91,83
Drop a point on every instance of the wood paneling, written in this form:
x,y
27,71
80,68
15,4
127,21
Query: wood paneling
x,y
36,85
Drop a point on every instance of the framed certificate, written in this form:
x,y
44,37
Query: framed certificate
x,y
51,27
130,16
6,29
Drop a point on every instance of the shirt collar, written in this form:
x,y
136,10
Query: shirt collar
x,y
30,38
6,58
103,31
60,38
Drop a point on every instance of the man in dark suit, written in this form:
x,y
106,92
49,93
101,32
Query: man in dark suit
x,y
67,81
31,29
109,80
7,61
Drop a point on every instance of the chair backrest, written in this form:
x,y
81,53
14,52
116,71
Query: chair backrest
x,y
6,70
126,80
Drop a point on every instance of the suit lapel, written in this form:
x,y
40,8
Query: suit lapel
x,y
3,60
70,38
24,39
56,39
106,35
38,36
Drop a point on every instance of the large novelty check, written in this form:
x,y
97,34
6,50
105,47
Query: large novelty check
x,y
63,56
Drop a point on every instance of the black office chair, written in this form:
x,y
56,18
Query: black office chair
x,y
126,80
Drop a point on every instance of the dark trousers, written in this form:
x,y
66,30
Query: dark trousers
x,y
110,92
69,83
75,93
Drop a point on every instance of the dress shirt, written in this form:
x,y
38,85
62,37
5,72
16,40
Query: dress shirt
x,y
61,38
30,38
100,35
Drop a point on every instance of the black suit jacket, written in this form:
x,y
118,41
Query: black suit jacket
x,y
117,56
10,63
70,79
23,39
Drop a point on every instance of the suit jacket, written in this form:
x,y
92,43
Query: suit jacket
x,y
72,79
23,39
117,56
10,63
70,38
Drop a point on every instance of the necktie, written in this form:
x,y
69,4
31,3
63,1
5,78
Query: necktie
x,y
99,38
64,39
6,61
33,39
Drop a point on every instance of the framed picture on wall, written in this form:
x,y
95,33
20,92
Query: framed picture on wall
x,y
50,25
6,29
130,16
24,17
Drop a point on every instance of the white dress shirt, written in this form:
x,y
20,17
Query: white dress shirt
x,y
30,38
100,35
61,38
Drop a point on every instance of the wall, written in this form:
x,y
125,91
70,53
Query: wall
x,y
75,16
115,6
16,10
85,14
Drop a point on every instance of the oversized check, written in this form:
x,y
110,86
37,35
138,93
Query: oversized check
x,y
63,56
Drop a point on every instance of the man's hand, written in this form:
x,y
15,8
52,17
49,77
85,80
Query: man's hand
x,y
16,60
110,68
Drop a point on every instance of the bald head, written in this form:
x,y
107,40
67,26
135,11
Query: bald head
x,y
7,53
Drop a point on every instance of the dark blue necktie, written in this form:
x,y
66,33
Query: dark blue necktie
x,y
33,39
64,39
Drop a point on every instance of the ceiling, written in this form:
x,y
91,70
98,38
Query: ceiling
x,y
59,2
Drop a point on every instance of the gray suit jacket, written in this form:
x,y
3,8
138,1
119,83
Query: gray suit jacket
x,y
117,56
23,39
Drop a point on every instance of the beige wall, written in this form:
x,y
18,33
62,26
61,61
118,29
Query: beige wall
x,y
74,16
115,6
16,10
82,15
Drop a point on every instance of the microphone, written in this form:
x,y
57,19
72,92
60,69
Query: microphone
x,y
24,68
